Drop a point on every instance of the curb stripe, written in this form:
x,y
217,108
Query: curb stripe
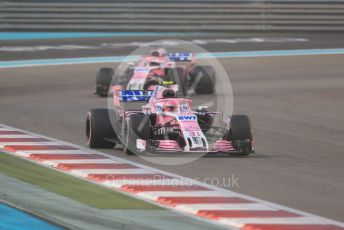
x,y
28,144
52,151
114,177
15,148
23,139
195,199
9,132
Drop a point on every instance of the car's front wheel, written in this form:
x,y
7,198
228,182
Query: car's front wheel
x,y
240,134
137,126
98,128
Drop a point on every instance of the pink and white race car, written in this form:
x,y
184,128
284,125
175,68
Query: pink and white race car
x,y
156,67
166,123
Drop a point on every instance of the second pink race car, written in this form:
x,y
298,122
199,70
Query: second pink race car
x,y
156,67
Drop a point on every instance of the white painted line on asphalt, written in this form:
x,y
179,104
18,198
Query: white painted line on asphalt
x,y
156,195
194,208
54,163
16,136
240,222
120,183
5,129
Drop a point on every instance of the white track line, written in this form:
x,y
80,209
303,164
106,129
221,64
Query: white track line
x,y
194,208
240,222
85,173
54,163
6,129
156,195
57,151
120,183
16,136
29,152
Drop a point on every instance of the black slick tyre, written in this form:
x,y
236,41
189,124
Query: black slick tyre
x,y
137,126
103,81
205,79
240,134
98,127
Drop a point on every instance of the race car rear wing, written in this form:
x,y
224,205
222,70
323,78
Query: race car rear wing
x,y
135,95
185,56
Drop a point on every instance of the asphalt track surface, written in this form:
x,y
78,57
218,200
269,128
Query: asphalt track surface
x,y
295,104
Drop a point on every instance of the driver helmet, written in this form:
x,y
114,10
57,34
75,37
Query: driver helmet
x,y
155,53
170,106
160,52
168,93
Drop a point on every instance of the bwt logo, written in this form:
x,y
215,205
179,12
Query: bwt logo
x,y
187,118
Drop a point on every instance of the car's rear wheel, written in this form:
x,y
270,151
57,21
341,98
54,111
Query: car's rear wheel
x,y
178,75
98,127
240,134
205,121
137,126
204,79
103,81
